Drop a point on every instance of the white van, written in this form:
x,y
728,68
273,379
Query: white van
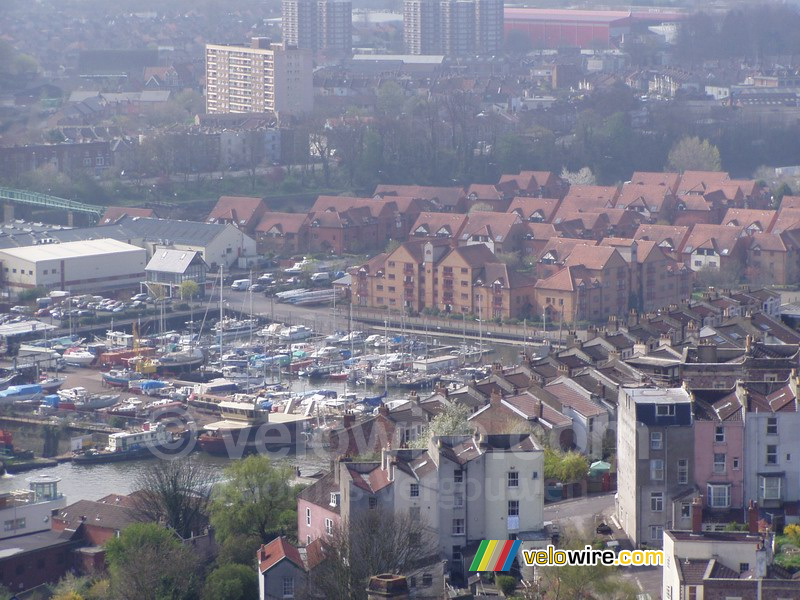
x,y
241,285
320,277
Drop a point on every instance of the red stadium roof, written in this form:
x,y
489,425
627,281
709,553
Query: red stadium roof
x,y
546,14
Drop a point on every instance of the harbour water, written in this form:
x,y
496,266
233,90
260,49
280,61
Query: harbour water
x,y
91,482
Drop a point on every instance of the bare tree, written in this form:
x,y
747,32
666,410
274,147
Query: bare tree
x,y
176,492
370,543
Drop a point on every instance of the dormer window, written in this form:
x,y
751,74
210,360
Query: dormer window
x,y
334,499
665,410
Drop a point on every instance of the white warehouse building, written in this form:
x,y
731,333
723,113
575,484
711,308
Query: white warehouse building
x,y
89,265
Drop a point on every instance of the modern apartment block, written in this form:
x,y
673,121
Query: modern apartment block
x,y
318,24
655,448
263,77
453,27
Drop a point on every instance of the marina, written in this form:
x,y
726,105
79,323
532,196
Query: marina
x,y
219,389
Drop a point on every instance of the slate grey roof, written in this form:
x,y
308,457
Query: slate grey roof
x,y
127,229
173,261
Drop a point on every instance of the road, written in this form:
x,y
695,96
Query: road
x,y
581,511
586,513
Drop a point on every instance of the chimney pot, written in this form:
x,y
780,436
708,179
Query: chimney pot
x,y
752,518
697,515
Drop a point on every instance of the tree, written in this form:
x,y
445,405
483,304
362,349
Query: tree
x,y
391,99
584,176
694,154
564,466
147,562
175,491
232,582
453,420
571,582
372,542
256,499
189,289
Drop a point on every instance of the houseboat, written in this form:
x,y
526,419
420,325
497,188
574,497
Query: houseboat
x,y
150,441
246,427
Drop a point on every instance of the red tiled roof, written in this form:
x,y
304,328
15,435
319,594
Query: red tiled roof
x,y
722,238
594,258
790,202
569,396
699,182
284,222
446,196
770,242
433,222
496,225
271,554
652,196
561,247
661,234
529,207
787,219
743,217
562,281
667,180
241,210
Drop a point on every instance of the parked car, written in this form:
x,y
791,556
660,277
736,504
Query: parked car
x,y
258,287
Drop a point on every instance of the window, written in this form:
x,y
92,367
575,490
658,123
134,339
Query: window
x,y
656,440
458,526
735,463
513,479
683,470
373,502
657,469
288,587
692,592
458,476
535,475
656,532
719,463
719,434
769,488
334,498
665,410
308,517
744,567
458,500
772,454
427,580
456,552
772,426
719,495
513,508
329,526
414,512
686,510
414,490
656,501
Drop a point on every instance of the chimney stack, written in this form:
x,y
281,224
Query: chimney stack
x,y
496,397
697,515
752,518
387,585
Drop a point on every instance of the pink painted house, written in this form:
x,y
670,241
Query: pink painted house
x,y
719,455
318,509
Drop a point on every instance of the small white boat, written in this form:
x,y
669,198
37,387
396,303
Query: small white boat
x,y
79,358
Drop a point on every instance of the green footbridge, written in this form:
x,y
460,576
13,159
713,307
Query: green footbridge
x,y
45,201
